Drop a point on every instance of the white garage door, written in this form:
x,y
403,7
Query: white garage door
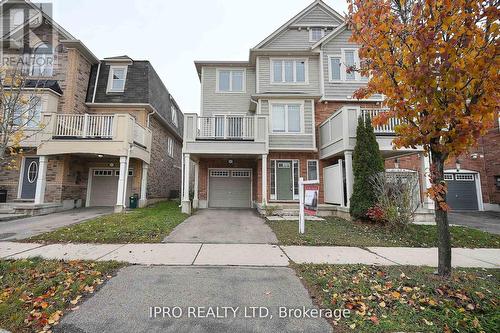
x,y
104,187
230,188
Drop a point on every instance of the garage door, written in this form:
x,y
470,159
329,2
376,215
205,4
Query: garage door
x,y
462,193
104,187
230,188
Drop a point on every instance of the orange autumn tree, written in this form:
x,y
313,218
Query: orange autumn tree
x,y
437,64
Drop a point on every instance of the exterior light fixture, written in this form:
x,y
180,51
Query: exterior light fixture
x,y
457,165
100,155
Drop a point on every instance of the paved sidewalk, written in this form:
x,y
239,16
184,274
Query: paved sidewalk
x,y
189,254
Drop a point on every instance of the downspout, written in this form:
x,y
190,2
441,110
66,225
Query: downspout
x,y
96,80
182,179
149,117
125,182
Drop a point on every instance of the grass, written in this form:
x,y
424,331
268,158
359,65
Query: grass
x,y
35,293
406,299
143,225
335,231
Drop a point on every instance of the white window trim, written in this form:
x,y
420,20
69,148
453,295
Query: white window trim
x,y
109,88
170,147
274,197
286,102
317,169
323,33
174,116
330,76
306,69
343,68
230,91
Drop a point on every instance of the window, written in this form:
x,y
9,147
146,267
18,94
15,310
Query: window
x,y
28,115
448,176
312,170
16,17
32,172
286,118
117,77
349,63
174,115
103,173
335,69
230,80
274,171
316,34
130,173
464,177
273,180
42,61
289,71
219,173
240,174
170,147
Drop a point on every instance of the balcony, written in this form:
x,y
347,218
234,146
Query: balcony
x,y
228,134
338,133
106,134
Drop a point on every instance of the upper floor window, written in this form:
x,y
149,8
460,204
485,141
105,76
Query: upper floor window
x,y
16,17
345,66
42,61
286,118
117,78
170,147
28,114
174,115
316,34
288,70
230,80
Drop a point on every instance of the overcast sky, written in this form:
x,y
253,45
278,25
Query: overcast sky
x,y
172,34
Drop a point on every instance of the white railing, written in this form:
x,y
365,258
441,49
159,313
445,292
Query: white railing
x,y
388,128
84,126
226,127
139,135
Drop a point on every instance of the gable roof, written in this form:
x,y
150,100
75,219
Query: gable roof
x,y
331,35
315,4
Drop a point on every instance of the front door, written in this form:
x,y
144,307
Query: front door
x,y
284,180
30,175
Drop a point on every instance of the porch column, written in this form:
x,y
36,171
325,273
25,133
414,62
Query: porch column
x,y
41,180
349,176
121,184
144,185
186,203
426,182
264,179
196,175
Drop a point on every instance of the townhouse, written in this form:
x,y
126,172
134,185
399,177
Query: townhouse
x,y
105,130
286,112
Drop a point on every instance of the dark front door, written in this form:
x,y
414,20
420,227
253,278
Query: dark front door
x,y
30,176
284,180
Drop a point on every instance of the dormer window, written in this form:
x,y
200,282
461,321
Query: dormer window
x,y
316,34
174,116
117,78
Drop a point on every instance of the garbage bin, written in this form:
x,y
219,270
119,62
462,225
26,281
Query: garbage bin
x,y
133,199
3,196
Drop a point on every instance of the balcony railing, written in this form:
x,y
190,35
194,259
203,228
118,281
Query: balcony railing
x,y
84,126
140,135
388,128
226,128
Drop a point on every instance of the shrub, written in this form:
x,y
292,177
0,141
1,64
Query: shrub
x,y
367,161
270,210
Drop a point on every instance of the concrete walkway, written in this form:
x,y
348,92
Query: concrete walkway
x,y
223,226
199,254
35,225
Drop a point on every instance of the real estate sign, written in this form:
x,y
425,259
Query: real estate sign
x,y
311,194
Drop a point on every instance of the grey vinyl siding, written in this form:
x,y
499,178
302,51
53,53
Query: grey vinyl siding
x,y
216,103
292,141
317,16
342,90
265,85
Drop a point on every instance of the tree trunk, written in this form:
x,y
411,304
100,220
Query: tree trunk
x,y
444,238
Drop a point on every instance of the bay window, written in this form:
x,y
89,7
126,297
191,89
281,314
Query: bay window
x,y
288,70
286,118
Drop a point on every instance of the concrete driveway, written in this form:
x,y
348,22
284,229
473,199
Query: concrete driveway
x,y
485,221
123,304
32,226
223,226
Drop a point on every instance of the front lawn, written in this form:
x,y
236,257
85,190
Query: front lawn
x,y
35,293
143,225
406,299
335,231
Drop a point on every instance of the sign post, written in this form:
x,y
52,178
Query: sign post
x,y
308,200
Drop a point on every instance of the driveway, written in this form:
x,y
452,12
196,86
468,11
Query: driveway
x,y
123,304
32,226
223,226
486,221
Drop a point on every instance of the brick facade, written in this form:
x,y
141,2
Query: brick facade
x,y
164,174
